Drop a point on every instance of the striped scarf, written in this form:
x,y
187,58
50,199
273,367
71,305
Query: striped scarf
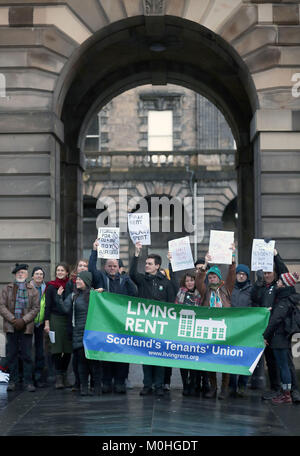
x,y
21,299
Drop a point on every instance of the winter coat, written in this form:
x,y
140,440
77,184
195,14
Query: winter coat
x,y
121,284
241,296
275,332
150,286
224,291
7,307
52,302
263,295
186,297
76,305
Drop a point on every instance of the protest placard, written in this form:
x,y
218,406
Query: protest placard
x,y
262,256
109,243
220,246
181,251
139,228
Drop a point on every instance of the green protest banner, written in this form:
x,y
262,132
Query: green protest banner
x,y
142,331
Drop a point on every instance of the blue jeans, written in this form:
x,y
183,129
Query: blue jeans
x,y
282,360
153,375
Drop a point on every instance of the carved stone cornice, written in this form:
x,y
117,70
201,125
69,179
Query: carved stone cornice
x,y
154,7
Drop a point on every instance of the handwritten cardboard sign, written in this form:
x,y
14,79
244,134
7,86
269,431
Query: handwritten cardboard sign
x,y
262,255
139,228
220,246
181,251
109,243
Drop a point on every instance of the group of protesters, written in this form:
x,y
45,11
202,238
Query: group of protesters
x,y
57,311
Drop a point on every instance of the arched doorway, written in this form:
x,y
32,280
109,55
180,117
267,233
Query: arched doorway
x,y
154,50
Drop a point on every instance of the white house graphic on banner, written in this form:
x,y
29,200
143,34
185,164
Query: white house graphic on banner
x,y
198,328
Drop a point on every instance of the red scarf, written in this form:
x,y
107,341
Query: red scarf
x,y
58,282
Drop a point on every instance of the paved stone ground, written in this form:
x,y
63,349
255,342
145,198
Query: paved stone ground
x,y
50,412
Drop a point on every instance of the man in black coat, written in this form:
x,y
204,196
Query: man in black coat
x,y
277,332
263,295
112,281
151,285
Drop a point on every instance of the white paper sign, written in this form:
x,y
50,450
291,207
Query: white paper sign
x,y
220,246
109,243
262,255
139,228
52,336
181,251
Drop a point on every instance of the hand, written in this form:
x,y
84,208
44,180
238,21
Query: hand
x,y
95,244
47,327
232,247
60,291
266,342
19,324
275,252
260,277
207,259
100,290
138,247
169,256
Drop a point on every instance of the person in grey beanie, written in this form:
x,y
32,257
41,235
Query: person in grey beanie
x,y
77,304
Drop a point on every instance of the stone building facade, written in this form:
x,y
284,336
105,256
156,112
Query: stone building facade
x,y
198,161
62,61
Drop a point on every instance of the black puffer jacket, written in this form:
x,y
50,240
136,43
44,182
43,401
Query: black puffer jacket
x,y
275,333
150,286
263,295
241,296
77,305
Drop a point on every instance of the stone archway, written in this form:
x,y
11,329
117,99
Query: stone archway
x,y
157,50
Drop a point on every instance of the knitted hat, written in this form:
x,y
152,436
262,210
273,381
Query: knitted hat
x,y
201,260
37,268
18,267
215,270
243,268
290,279
87,277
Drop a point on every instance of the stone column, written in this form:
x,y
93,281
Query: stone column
x,y
71,206
245,179
30,190
277,192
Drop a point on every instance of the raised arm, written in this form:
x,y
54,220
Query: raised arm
x,y
136,276
231,273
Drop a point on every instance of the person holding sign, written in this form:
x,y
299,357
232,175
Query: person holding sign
x,y
216,293
151,285
263,295
276,335
112,281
